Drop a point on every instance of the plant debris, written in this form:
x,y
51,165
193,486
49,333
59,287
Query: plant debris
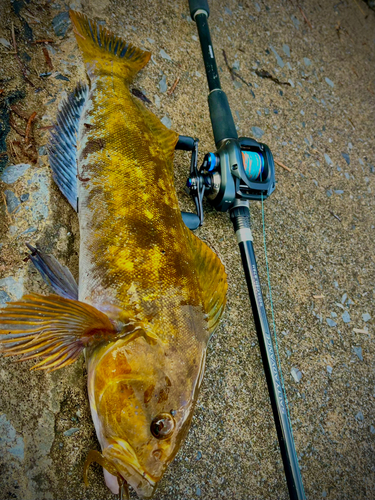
x,y
265,74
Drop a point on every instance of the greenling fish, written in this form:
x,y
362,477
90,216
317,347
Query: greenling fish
x,y
150,292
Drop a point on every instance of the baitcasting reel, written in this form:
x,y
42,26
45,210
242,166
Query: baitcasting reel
x,y
240,169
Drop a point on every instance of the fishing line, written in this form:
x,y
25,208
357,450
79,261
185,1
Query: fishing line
x,y
274,325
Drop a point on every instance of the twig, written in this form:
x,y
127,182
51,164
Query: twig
x,y
46,127
359,7
282,165
15,127
8,52
19,112
47,58
14,39
45,40
229,68
334,215
358,330
173,88
304,16
318,296
264,74
28,127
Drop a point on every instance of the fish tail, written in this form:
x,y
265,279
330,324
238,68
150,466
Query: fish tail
x,y
100,47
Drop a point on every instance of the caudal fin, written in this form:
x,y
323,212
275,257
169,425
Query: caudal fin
x,y
99,46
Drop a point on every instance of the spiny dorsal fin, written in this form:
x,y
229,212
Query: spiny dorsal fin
x,y
100,46
52,328
212,280
62,150
54,274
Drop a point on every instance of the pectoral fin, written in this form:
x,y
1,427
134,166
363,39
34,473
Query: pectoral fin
x,y
212,280
52,328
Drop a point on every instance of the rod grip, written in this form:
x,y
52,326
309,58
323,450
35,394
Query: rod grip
x,y
195,5
221,117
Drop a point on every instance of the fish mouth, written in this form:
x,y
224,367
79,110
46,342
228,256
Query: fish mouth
x,y
123,457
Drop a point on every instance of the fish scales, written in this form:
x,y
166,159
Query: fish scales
x,y
150,292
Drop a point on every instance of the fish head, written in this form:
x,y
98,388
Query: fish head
x,y
143,412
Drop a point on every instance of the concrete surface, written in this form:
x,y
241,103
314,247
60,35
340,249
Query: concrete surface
x,y
320,234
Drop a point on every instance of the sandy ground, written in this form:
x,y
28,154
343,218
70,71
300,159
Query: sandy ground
x,y
319,228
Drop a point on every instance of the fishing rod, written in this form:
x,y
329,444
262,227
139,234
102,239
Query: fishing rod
x,y
240,170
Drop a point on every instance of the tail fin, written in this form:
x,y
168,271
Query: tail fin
x,y
100,46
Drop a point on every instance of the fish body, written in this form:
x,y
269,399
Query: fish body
x,y
150,293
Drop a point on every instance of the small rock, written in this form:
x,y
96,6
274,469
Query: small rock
x,y
329,369
197,74
288,353
307,61
61,23
236,65
257,132
4,297
324,494
5,43
296,374
330,82
163,87
150,40
59,76
164,55
198,492
360,417
71,431
291,83
157,101
329,193
199,455
358,352
343,298
339,191
330,322
346,158
11,200
237,84
372,429
228,11
24,197
166,121
295,21
286,50
279,61
346,317
12,173
333,314
328,159
366,317
257,6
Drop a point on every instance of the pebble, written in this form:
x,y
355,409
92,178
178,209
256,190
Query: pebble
x,y
286,50
329,369
346,158
71,431
330,82
24,197
12,173
61,23
328,159
228,11
343,298
4,297
358,352
360,416
333,314
372,429
366,317
150,40
330,322
346,317
307,61
237,84
198,492
5,43
295,21
257,132
199,455
257,6
166,121
279,61
339,191
236,65
296,374
164,55
11,200
163,84
157,100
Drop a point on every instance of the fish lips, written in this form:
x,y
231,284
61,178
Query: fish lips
x,y
122,456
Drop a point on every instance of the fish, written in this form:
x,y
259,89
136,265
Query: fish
x,y
150,293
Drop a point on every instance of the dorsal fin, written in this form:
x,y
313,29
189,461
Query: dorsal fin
x,y
63,144
100,47
212,280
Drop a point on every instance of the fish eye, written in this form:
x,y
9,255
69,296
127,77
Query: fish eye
x,y
162,426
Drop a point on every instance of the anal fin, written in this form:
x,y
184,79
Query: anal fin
x,y
62,150
54,274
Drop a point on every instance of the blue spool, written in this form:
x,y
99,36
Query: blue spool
x,y
253,164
